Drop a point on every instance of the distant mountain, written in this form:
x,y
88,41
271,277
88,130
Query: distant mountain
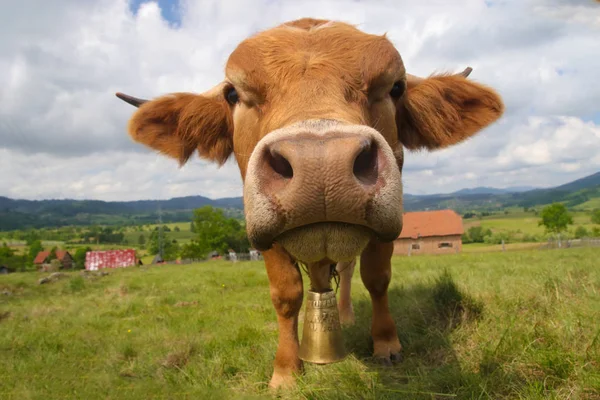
x,y
583,183
20,214
489,190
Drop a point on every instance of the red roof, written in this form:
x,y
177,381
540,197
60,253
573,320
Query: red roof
x,y
42,255
431,223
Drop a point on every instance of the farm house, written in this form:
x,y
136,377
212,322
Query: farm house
x,y
430,232
98,259
63,256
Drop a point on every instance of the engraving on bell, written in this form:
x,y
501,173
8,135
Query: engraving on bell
x,y
322,340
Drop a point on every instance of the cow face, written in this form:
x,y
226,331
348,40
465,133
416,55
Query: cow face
x,y
316,114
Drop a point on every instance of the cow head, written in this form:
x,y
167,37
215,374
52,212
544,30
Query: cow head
x,y
316,114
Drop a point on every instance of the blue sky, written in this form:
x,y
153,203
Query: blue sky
x,y
169,9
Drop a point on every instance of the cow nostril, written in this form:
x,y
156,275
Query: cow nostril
x,y
365,164
279,164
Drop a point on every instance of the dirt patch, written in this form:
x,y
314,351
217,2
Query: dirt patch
x,y
178,358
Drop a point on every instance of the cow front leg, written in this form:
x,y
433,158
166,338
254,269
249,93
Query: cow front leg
x,y
285,282
345,271
376,273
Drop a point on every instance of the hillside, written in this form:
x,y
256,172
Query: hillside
x,y
20,214
583,193
490,190
576,194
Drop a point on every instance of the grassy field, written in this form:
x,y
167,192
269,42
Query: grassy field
x,y
181,236
493,326
590,204
526,223
184,235
484,247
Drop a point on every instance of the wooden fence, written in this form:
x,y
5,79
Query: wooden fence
x,y
555,243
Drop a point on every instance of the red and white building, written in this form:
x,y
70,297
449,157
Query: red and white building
x,y
98,259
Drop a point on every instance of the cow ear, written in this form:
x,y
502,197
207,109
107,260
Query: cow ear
x,y
441,111
180,123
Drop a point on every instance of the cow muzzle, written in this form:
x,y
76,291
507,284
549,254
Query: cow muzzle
x,y
322,189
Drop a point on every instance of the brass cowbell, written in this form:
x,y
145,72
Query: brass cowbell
x,y
322,341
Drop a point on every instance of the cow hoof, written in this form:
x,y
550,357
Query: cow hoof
x,y
387,352
385,361
389,360
282,381
396,357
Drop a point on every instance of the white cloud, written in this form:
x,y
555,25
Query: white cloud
x,y
540,151
62,130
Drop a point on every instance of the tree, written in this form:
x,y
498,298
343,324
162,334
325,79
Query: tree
x,y
34,248
171,249
215,232
30,236
476,234
193,250
5,251
52,255
142,240
9,258
555,218
79,257
109,235
581,232
596,216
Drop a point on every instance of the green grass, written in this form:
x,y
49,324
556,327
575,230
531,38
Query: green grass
x,y
485,247
183,236
592,204
45,243
184,226
473,326
524,223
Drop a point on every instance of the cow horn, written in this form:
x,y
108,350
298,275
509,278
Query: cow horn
x,y
467,71
134,101
412,80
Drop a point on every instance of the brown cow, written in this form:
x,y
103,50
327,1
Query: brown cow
x,y
316,114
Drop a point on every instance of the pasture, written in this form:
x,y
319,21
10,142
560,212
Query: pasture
x,y
525,223
179,231
518,324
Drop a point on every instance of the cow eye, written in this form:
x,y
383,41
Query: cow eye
x,y
231,95
397,89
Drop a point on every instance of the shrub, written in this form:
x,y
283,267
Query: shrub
x,y
581,232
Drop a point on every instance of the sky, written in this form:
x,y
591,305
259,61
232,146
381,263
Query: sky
x,y
63,131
